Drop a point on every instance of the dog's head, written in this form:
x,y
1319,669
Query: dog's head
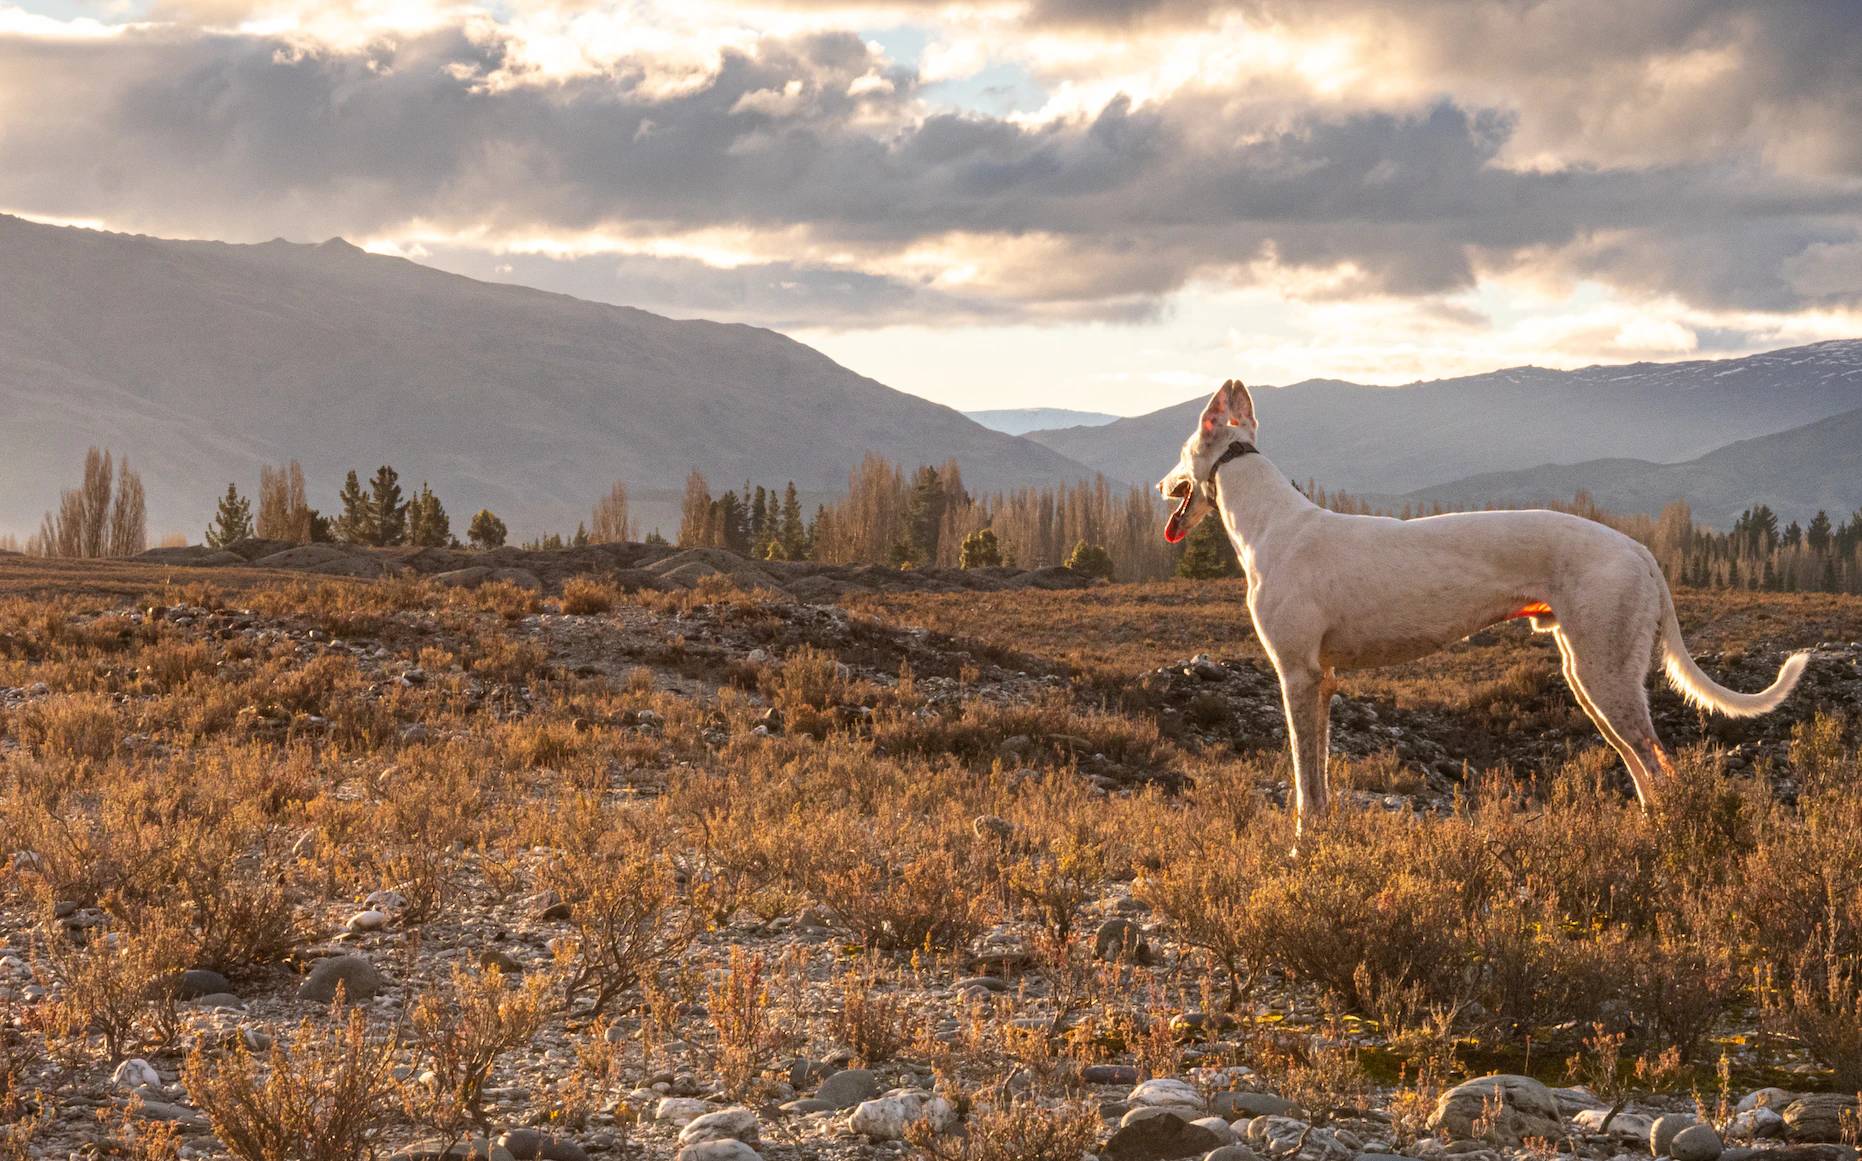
x,y
1228,417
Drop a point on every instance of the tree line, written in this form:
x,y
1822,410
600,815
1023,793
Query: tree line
x,y
926,517
929,518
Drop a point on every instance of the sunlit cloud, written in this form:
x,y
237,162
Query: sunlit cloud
x,y
950,192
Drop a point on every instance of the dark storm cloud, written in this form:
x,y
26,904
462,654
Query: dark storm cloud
x,y
245,136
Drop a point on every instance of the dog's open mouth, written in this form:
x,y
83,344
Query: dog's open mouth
x,y
1183,493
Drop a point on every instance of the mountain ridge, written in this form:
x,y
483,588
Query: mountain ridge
x,y
201,360
1394,440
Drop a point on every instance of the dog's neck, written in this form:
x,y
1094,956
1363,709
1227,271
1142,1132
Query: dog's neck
x,y
1255,501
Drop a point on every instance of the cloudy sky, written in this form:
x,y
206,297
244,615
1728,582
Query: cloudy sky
x,y
1105,204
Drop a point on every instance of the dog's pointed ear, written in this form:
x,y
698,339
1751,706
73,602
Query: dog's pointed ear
x,y
1231,405
1240,405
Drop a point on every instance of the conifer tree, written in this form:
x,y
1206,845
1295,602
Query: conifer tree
x,y
1207,553
486,530
1091,559
387,507
427,523
980,550
789,528
356,524
232,522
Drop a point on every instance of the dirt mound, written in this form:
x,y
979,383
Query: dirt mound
x,y
629,566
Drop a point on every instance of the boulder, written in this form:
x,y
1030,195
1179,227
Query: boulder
x,y
1526,1110
726,1150
733,1124
1168,1092
1696,1143
1160,1137
885,1118
1818,1117
1662,1133
849,1087
356,975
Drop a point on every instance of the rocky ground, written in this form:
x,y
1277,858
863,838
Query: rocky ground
x,y
1202,1091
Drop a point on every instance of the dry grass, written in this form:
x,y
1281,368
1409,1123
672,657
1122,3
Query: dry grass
x,y
674,880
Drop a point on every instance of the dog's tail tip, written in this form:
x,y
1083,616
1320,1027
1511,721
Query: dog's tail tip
x,y
1702,691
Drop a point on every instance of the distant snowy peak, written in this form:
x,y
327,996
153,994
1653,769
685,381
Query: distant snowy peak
x,y
1018,420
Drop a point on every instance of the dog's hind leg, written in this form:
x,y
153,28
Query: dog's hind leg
x,y
1307,696
1608,672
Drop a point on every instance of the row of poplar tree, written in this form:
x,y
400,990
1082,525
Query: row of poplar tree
x,y
928,518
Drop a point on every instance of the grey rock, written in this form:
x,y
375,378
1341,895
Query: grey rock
x,y
1527,1109
197,982
1775,1098
1818,1117
1159,1137
1662,1133
1250,1104
536,1145
477,1149
221,1000
733,1124
886,1118
1219,1127
1121,1074
726,1150
1696,1143
355,973
1168,1092
848,1087
1232,1153
1121,938
806,1105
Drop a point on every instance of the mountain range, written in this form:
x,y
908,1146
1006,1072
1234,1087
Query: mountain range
x,y
1451,439
201,361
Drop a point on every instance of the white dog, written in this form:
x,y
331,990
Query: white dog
x,y
1329,591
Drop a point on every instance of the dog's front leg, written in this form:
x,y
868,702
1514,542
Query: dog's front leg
x,y
1307,695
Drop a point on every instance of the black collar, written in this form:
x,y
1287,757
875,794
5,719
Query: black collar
x,y
1235,450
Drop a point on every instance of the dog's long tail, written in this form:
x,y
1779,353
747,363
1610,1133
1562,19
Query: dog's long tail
x,y
1703,691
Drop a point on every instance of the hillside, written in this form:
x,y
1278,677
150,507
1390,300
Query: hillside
x,y
1021,420
202,360
1796,472
1398,439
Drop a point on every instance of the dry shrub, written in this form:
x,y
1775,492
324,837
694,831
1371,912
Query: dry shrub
x,y
874,1024
460,1030
328,1096
807,687
1067,872
502,598
897,898
744,1020
626,920
507,661
584,596
72,725
1014,1130
1051,730
1819,1001
111,984
1206,891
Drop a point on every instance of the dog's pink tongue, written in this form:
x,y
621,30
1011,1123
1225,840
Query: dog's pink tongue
x,y
1173,527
